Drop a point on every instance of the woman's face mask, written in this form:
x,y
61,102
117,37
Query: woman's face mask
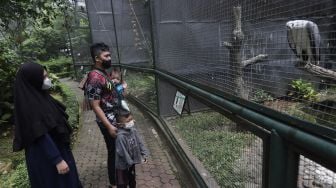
x,y
46,84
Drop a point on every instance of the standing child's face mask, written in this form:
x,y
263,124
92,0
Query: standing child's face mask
x,y
46,84
129,124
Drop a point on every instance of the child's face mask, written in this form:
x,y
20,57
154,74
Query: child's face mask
x,y
129,124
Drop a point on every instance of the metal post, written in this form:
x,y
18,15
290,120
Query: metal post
x,y
115,33
70,42
277,162
283,163
154,53
292,168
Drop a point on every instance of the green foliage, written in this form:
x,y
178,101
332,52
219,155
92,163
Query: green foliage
x,y
324,107
22,24
8,156
61,66
296,111
327,94
43,44
72,105
27,35
303,90
19,177
142,86
260,96
215,146
23,12
7,73
56,88
66,74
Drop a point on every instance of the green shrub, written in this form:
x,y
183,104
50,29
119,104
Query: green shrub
x,y
142,86
56,88
65,74
61,66
260,96
303,90
72,105
19,177
7,74
296,111
210,138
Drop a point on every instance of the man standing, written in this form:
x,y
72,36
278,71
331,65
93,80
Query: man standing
x,y
103,98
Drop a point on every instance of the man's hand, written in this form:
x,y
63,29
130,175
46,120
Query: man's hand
x,y
62,167
100,113
113,131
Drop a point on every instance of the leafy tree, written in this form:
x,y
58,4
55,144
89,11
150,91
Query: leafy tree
x,y
26,33
44,43
21,12
7,71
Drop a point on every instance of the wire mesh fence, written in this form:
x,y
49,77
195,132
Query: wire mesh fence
x,y
226,154
277,53
79,37
311,174
125,27
280,54
142,86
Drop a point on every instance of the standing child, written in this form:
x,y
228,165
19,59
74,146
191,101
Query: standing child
x,y
130,150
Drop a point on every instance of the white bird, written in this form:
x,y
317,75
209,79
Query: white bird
x,y
305,40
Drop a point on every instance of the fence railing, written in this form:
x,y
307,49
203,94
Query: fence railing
x,y
279,143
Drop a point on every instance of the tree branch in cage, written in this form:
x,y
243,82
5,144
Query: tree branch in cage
x,y
254,60
237,31
316,70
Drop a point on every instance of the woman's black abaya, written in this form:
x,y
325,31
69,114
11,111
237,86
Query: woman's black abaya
x,y
42,130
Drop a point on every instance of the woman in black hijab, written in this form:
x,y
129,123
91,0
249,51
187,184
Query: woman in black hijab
x,y
42,130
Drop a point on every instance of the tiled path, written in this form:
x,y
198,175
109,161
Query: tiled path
x,y
91,156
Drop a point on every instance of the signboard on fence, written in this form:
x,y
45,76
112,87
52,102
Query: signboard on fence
x,y
179,102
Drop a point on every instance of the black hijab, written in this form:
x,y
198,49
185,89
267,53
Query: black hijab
x,y
35,111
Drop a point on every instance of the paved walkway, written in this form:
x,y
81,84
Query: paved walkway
x,y
91,156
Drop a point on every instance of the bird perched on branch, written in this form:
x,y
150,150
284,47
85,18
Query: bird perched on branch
x,y
304,39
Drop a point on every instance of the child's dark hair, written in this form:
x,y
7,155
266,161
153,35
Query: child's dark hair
x,y
97,48
121,113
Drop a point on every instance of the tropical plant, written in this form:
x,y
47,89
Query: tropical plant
x,y
303,90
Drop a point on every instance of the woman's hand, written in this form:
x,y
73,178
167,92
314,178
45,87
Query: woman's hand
x,y
62,167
